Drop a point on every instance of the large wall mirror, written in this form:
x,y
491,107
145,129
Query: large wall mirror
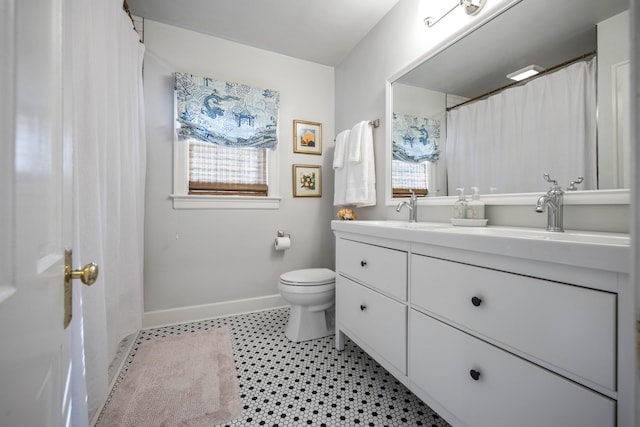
x,y
581,43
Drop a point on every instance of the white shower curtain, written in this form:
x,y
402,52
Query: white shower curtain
x,y
509,140
105,117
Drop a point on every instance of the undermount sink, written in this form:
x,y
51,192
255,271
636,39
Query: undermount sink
x,y
527,233
402,224
425,225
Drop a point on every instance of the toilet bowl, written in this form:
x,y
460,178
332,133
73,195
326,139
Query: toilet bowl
x,y
311,293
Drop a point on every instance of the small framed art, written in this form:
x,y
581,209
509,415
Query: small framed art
x,y
307,137
307,181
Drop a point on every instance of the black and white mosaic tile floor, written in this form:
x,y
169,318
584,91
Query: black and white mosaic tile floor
x,y
286,384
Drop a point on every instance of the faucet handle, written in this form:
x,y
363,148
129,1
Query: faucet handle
x,y
572,186
555,188
548,179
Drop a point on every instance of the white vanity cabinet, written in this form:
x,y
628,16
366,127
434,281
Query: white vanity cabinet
x,y
371,306
373,320
511,336
569,327
381,266
491,331
482,385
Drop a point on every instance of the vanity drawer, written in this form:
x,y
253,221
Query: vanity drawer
x,y
382,268
509,390
375,319
567,326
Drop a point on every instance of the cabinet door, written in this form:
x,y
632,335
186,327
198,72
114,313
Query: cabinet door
x,y
503,390
378,321
379,267
567,326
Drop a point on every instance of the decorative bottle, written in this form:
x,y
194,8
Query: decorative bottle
x,y
475,208
460,206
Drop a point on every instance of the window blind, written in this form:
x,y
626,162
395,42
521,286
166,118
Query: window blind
x,y
222,170
409,175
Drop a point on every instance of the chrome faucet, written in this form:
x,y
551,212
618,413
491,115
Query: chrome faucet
x,y
412,204
553,202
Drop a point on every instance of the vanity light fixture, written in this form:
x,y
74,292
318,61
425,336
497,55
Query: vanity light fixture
x,y
471,7
525,73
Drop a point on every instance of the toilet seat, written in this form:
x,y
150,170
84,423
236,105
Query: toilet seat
x,y
308,277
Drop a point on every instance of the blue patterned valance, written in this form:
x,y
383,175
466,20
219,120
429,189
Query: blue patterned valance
x,y
224,113
415,139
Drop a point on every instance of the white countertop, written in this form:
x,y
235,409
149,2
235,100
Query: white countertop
x,y
603,251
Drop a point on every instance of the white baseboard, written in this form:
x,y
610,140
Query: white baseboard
x,y
194,313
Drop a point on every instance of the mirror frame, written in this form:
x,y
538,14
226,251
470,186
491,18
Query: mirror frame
x,y
580,197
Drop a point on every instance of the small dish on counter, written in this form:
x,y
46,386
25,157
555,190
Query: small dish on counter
x,y
467,222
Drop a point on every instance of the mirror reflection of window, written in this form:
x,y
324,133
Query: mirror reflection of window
x,y
418,135
416,147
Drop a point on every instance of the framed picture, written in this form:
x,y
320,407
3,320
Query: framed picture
x,y
307,181
307,137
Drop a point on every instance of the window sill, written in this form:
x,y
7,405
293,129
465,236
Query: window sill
x,y
580,197
224,202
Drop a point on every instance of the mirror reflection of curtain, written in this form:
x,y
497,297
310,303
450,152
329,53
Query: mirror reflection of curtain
x,y
509,140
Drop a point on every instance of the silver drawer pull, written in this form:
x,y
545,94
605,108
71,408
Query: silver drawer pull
x,y
363,307
474,374
363,263
476,301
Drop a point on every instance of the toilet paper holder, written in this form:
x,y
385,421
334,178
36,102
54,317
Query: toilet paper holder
x,y
282,242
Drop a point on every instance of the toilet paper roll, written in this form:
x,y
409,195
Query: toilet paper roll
x,y
282,243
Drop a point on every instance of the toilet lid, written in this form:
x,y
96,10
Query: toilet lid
x,y
308,277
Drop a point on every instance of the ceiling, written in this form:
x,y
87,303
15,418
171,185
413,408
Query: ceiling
x,y
541,32
319,31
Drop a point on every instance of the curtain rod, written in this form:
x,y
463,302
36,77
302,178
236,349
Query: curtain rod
x,y
542,73
125,7
373,123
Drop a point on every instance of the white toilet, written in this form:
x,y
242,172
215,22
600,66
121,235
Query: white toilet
x,y
311,293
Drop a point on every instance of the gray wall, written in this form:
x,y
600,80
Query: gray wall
x,y
197,257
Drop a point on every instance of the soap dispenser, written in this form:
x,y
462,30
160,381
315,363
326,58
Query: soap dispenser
x,y
460,206
475,208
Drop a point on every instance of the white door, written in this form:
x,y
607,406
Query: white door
x,y
35,217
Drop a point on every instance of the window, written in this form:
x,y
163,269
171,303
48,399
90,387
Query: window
x,y
235,171
209,198
225,153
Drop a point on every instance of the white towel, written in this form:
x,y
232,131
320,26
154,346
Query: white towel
x,y
361,173
339,167
341,148
358,134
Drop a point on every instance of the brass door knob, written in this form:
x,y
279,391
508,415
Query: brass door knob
x,y
88,275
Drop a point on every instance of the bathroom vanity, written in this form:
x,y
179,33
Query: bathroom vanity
x,y
493,326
